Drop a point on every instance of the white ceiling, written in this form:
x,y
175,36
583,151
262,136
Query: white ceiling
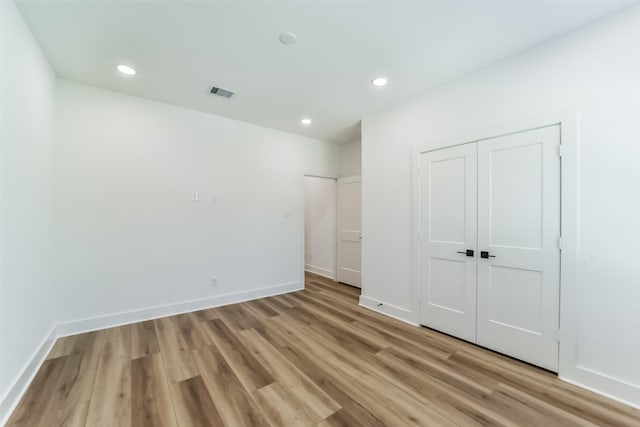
x,y
180,48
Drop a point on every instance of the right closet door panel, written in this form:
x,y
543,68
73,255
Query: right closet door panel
x,y
518,229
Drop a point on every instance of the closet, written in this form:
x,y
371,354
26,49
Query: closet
x,y
490,243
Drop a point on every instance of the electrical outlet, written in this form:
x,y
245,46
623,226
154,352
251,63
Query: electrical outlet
x,y
214,281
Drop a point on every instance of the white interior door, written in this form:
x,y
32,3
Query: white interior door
x,y
349,230
519,227
448,228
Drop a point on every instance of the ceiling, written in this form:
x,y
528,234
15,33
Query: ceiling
x,y
181,48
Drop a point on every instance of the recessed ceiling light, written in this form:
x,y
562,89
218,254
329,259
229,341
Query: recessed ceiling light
x,y
306,121
288,39
125,69
379,81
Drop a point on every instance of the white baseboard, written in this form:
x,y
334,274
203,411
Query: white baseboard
x,y
320,271
109,321
600,392
619,390
10,400
398,313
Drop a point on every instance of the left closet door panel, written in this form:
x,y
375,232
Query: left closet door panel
x,y
448,215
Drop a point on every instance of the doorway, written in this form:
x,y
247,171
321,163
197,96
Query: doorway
x,y
320,205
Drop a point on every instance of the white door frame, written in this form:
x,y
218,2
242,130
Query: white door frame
x,y
568,121
302,219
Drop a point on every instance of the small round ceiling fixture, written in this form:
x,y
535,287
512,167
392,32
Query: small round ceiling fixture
x,y
305,121
379,81
125,69
288,39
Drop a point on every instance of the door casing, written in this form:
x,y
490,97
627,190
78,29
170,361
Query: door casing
x,y
456,216
568,120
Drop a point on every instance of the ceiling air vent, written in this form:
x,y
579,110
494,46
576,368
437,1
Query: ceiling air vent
x,y
221,92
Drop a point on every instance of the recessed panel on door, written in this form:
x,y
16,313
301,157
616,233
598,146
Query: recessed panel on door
x,y
349,230
518,229
448,229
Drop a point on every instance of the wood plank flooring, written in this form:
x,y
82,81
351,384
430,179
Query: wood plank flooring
x,y
309,358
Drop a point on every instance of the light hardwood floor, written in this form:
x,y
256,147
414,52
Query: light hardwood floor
x,y
308,358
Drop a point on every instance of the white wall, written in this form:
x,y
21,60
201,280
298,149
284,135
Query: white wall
x,y
597,70
27,90
351,158
128,235
320,225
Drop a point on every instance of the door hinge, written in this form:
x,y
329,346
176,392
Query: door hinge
x,y
560,150
420,172
560,243
558,335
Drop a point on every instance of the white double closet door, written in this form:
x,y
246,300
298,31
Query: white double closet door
x,y
490,247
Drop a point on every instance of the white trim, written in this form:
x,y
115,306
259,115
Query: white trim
x,y
627,400
397,313
415,290
320,271
15,392
111,320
